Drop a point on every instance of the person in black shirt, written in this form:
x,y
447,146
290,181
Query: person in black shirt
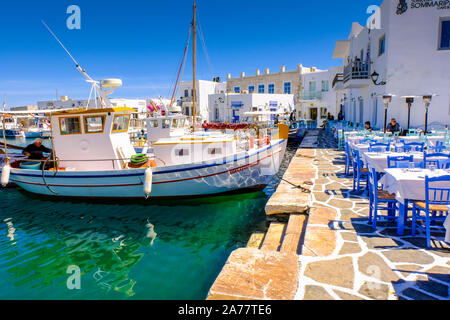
x,y
35,150
368,127
393,126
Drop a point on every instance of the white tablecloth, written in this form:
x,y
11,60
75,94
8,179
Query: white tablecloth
x,y
355,140
410,185
379,161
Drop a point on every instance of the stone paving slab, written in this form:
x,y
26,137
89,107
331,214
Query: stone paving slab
x,y
252,274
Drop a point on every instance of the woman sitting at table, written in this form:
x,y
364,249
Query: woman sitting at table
x,y
368,127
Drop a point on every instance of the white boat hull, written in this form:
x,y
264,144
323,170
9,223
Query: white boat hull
x,y
33,134
245,170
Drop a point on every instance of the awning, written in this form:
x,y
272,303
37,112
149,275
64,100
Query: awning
x,y
341,48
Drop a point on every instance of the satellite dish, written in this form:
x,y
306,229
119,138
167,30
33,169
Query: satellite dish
x,y
111,83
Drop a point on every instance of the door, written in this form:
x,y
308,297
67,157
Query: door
x,y
313,114
236,117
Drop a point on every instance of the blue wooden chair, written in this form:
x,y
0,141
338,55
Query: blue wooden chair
x,y
340,139
348,159
379,147
379,200
444,164
408,147
399,162
432,159
440,147
435,207
359,172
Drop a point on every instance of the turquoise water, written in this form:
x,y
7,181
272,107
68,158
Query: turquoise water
x,y
131,250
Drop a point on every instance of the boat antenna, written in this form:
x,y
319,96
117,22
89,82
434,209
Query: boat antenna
x,y
81,70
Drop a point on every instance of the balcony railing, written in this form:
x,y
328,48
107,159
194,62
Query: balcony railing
x,y
311,95
357,70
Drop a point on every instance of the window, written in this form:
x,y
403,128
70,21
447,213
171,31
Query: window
x,y
186,93
261,88
271,88
237,90
166,124
251,89
216,116
182,152
153,123
94,124
444,34
325,85
70,125
382,45
287,87
312,86
121,123
214,151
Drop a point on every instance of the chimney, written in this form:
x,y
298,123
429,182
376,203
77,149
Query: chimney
x,y
283,69
242,74
258,72
228,76
267,71
299,67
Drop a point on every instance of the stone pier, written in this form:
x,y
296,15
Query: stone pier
x,y
319,245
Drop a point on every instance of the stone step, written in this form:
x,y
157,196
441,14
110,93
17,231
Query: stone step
x,y
274,235
255,240
252,274
294,231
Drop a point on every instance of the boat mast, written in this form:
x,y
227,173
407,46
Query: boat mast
x,y
194,94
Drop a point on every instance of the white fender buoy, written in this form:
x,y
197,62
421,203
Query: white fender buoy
x,y
6,171
148,182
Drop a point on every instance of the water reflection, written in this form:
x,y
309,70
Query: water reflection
x,y
121,246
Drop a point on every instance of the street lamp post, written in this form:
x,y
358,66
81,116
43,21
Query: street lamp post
x,y
427,100
409,102
386,99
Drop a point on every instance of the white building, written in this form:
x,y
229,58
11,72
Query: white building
x,y
231,107
318,97
407,44
203,89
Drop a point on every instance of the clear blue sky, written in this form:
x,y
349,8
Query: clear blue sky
x,y
142,42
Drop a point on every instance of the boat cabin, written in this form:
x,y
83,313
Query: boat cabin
x,y
166,126
95,139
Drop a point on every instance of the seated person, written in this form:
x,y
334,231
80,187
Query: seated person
x,y
393,126
35,150
330,117
368,127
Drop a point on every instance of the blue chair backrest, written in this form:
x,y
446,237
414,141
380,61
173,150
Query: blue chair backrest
x,y
373,183
379,147
433,159
400,162
444,164
414,146
437,194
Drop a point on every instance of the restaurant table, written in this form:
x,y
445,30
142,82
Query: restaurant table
x,y
354,140
379,160
408,186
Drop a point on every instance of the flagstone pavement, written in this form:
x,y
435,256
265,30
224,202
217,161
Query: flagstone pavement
x,y
344,258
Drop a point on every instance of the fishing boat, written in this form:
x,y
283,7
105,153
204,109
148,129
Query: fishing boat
x,y
93,162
